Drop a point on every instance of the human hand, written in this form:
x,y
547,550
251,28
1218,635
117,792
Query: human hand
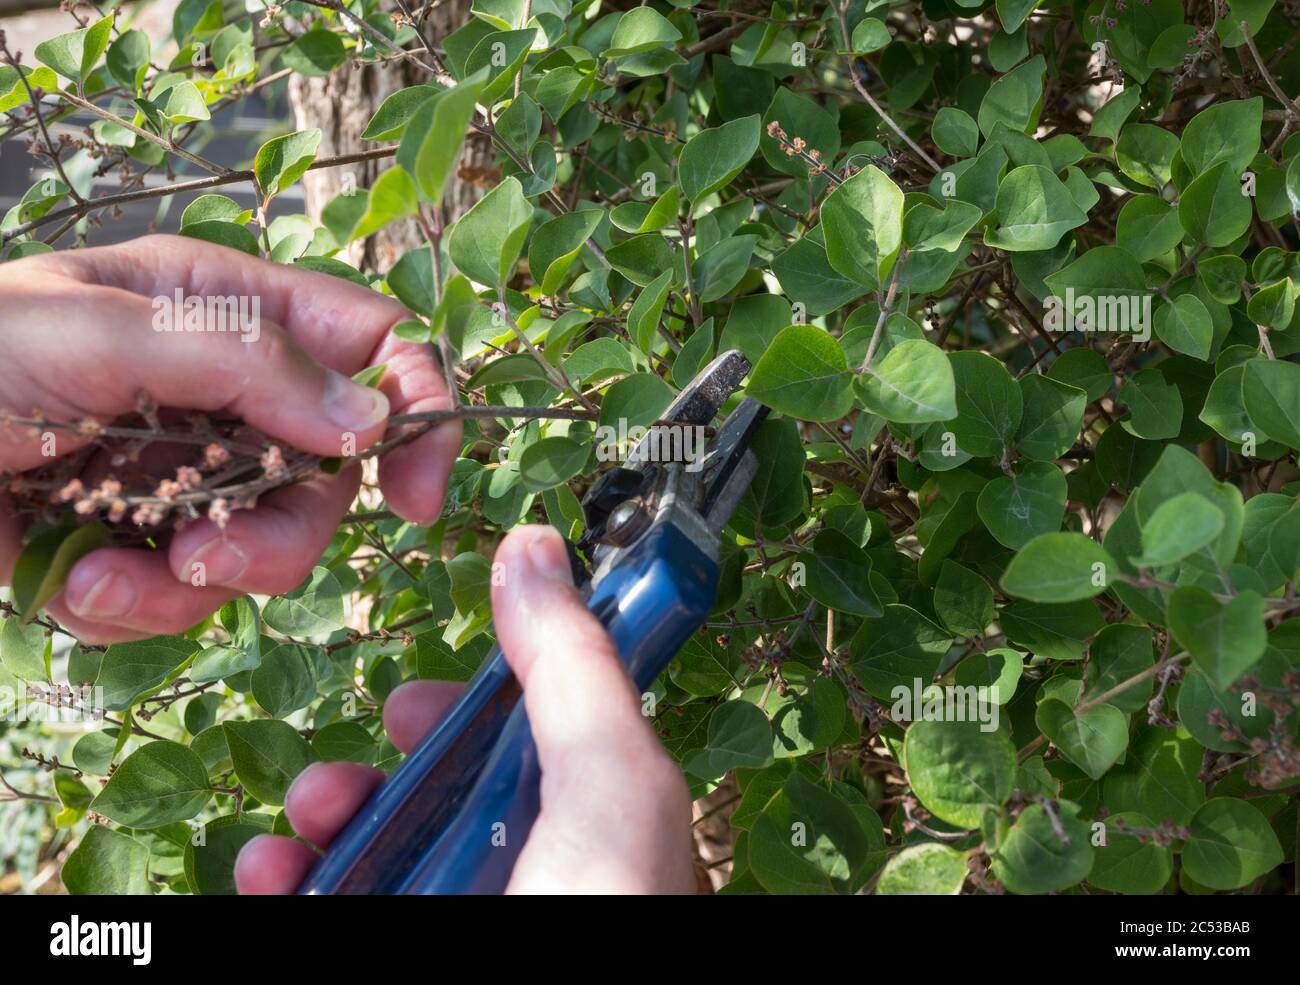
x,y
79,343
615,814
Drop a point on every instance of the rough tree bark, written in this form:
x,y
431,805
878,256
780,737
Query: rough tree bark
x,y
340,105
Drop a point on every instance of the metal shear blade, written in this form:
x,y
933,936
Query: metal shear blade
x,y
714,479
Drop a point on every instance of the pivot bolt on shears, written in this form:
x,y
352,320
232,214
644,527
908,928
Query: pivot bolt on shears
x,y
653,529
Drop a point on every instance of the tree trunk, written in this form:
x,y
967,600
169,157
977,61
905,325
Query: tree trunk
x,y
340,105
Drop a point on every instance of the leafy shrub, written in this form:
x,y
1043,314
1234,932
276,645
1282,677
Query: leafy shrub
x,y
1018,285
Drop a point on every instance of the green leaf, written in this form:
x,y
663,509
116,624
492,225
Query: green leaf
x,y
963,601
210,864
1053,416
806,276
641,29
646,217
644,316
284,680
1015,99
807,840
995,674
913,384
1107,280
393,196
160,783
1184,324
344,742
556,244
1119,653
739,736
211,207
1092,741
501,55
23,650
712,158
267,755
722,266
1226,133
989,405
1270,390
1127,863
1225,640
811,721
228,234
1213,210
241,619
799,117
1146,154
804,374
1155,405
862,220
283,160
315,53
896,649
551,462
1179,527
839,575
486,241
130,671
436,660
638,400
1110,118
45,562
1034,211
314,608
396,112
927,869
1159,777
1231,844
93,752
74,55
1222,276
1017,508
1059,567
1148,227
1013,13
107,863
432,140
869,35
1273,306
75,797
926,228
12,91
1042,853
185,104
958,770
127,56
643,259
954,132
776,495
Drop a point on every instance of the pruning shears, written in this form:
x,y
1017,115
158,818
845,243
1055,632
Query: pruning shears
x,y
455,814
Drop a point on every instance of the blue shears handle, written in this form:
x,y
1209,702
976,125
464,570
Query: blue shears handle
x,y
456,813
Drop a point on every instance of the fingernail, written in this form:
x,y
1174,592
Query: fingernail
x,y
222,563
351,406
111,597
548,556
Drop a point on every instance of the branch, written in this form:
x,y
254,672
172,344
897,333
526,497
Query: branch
x,y
842,11
229,178
168,145
1290,105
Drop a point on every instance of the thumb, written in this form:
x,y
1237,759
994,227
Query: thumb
x,y
615,809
